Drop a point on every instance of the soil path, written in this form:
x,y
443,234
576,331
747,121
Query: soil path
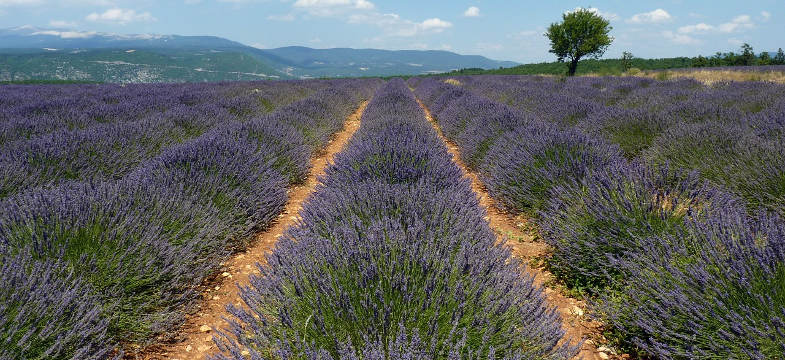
x,y
194,340
526,247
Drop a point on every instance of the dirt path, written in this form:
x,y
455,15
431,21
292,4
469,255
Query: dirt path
x,y
195,338
523,245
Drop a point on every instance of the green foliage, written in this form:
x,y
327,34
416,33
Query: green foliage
x,y
625,60
779,59
582,33
587,66
621,65
747,56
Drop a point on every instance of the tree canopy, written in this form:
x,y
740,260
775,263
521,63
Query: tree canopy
x,y
582,33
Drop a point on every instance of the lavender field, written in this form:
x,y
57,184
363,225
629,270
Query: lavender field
x,y
661,203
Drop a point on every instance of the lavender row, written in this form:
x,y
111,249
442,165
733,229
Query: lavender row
x,y
109,151
30,111
392,259
128,255
676,266
726,131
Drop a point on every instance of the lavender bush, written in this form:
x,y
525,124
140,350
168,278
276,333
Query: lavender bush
x,y
591,226
717,289
47,311
730,156
392,245
135,243
526,164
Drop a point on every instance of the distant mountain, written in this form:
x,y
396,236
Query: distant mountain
x,y
363,62
28,52
33,37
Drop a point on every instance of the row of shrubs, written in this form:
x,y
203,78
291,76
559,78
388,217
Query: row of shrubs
x,y
92,268
676,267
94,135
392,259
31,111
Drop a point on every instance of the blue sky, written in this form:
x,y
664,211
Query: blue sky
x,y
505,30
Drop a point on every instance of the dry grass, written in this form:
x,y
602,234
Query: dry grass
x,y
709,77
453,82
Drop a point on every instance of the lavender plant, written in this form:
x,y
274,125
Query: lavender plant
x,y
48,311
526,164
716,289
590,227
729,156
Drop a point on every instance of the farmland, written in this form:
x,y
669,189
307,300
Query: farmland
x,y
660,205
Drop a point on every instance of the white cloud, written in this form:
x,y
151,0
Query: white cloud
x,y
697,28
435,24
765,15
680,39
285,17
20,2
606,15
394,25
738,23
63,24
50,3
363,12
472,11
315,4
654,16
68,34
121,16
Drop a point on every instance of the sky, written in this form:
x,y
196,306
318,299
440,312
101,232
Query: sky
x,y
503,30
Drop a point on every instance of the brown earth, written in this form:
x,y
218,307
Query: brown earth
x,y
194,338
517,231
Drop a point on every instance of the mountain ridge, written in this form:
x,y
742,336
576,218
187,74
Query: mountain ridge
x,y
31,53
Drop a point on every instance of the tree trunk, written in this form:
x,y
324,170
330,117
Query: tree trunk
x,y
573,66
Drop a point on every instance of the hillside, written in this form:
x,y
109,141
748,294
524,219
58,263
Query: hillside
x,y
364,62
133,66
29,53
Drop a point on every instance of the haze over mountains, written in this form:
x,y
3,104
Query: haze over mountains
x,y
33,53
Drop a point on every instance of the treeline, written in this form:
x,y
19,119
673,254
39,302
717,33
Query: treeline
x,y
745,57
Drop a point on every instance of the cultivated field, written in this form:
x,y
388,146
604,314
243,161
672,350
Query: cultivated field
x,y
475,217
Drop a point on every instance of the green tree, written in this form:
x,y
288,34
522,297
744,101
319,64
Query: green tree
x,y
764,58
747,56
700,61
582,33
779,59
626,60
